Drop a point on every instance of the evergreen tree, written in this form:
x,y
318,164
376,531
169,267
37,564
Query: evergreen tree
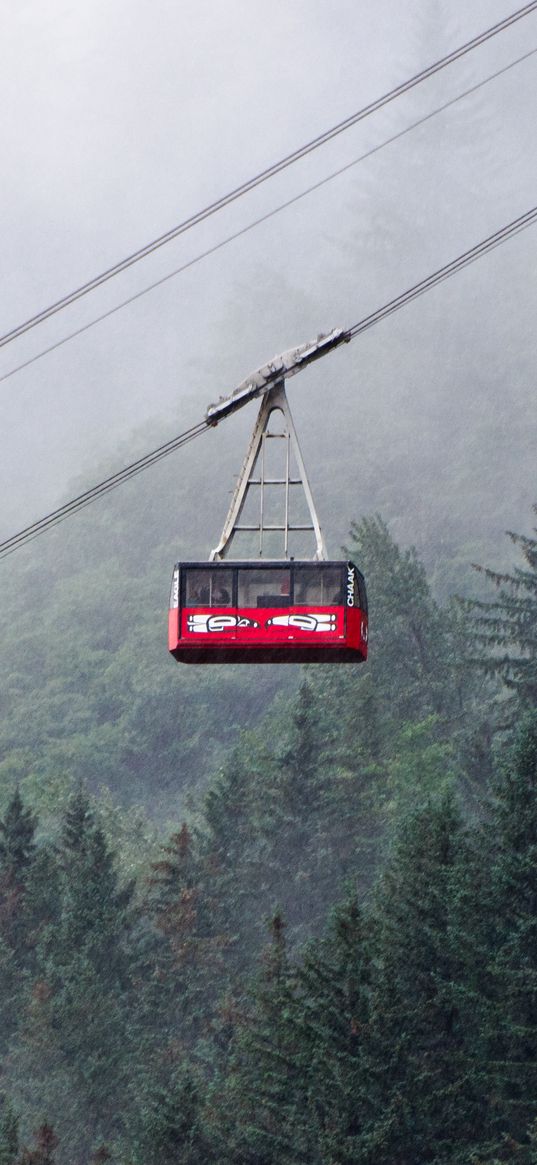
x,y
331,1020
257,1118
169,1123
184,903
505,630
412,643
17,920
17,845
12,990
300,761
234,854
494,940
418,1086
74,1060
17,853
9,1135
414,675
43,893
295,859
511,997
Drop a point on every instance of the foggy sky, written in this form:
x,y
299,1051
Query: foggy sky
x,y
121,119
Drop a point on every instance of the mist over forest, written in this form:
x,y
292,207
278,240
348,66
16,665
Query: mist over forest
x,y
268,914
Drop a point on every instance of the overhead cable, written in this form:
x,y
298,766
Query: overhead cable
x,y
464,260
9,545
264,218
90,495
269,172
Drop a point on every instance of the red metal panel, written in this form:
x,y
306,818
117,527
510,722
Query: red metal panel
x,y
269,635
357,630
262,625
173,628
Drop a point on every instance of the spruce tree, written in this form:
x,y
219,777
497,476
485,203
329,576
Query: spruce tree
x,y
9,1134
494,943
168,1127
418,1085
78,1024
232,868
505,629
294,858
330,1017
511,998
413,658
17,844
257,1121
190,953
18,923
17,853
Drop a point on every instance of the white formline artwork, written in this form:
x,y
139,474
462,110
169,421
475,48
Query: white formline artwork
x,y
204,623
317,621
313,621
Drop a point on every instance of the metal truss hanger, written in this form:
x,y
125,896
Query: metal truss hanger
x,y
254,475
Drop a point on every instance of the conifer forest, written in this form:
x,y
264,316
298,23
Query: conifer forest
x,y
268,913
331,956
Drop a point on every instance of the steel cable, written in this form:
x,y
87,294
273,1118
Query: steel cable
x,y
267,173
263,218
9,545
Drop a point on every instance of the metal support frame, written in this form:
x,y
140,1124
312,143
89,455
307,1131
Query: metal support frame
x,y
275,399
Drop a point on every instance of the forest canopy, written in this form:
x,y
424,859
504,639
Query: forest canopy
x,y
330,956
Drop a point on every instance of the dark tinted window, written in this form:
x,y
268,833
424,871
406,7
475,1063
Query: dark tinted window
x,y
264,588
319,586
208,588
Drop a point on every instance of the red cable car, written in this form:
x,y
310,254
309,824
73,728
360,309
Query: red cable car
x,y
285,609
268,612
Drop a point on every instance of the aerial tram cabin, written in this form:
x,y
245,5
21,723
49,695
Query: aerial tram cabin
x,y
285,608
270,612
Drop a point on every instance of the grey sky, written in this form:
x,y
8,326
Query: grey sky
x,y
120,119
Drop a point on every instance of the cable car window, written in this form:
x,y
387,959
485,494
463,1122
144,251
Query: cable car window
x,y
208,588
319,586
264,588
